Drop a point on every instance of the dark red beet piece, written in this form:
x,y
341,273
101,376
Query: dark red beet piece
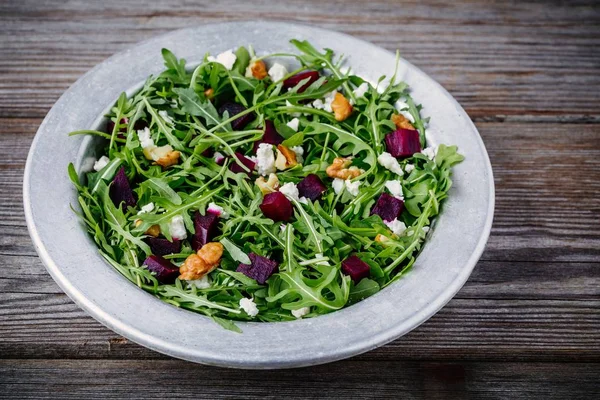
x,y
260,268
110,125
164,270
277,207
299,77
120,190
270,136
356,268
234,167
233,109
162,247
311,187
388,207
403,143
206,229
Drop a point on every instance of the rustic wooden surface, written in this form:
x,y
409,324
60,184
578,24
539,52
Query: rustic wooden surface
x,y
526,324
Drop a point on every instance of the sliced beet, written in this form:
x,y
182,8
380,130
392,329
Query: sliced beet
x,y
388,207
403,143
271,136
234,167
206,229
120,190
293,81
162,247
234,109
277,207
311,187
164,270
356,268
260,268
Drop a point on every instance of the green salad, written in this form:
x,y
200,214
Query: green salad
x,y
244,189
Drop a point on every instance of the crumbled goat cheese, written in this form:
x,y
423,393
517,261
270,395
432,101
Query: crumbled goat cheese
x,y
265,159
326,103
397,227
156,153
386,160
248,73
290,190
164,115
249,306
145,138
227,59
177,228
101,163
299,153
218,210
147,208
338,185
277,72
352,187
402,108
409,168
430,152
395,188
202,283
294,123
301,312
361,90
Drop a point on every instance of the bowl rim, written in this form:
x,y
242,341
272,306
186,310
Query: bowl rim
x,y
328,354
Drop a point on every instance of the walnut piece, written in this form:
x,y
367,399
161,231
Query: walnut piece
x,y
169,159
154,230
209,93
286,158
204,261
259,69
268,186
340,169
402,122
341,107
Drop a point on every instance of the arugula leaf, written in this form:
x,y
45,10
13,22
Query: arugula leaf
x,y
191,104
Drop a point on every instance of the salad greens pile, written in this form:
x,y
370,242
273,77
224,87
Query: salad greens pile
x,y
189,112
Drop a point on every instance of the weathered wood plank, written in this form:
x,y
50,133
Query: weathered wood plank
x,y
499,60
361,379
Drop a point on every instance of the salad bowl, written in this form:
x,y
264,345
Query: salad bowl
x,y
454,244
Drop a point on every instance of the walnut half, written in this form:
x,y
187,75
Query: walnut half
x,y
340,168
204,261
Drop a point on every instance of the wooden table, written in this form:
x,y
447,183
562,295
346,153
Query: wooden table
x,y
526,324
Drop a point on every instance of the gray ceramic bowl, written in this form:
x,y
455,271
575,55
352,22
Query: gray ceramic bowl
x,y
453,248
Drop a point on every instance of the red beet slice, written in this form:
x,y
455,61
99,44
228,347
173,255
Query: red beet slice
x,y
356,268
206,229
162,247
403,143
260,268
311,187
164,270
234,167
234,109
271,136
120,190
277,207
139,124
388,207
293,81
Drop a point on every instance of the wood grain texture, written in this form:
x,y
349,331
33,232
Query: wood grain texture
x,y
525,325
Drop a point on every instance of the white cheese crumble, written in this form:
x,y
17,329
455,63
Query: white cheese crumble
x,y
397,227
147,208
352,187
388,162
294,124
248,73
361,90
202,283
101,163
156,153
325,104
249,307
301,312
299,153
409,168
145,138
430,152
290,190
402,108
277,72
215,209
338,185
395,188
265,159
226,59
177,228
164,115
